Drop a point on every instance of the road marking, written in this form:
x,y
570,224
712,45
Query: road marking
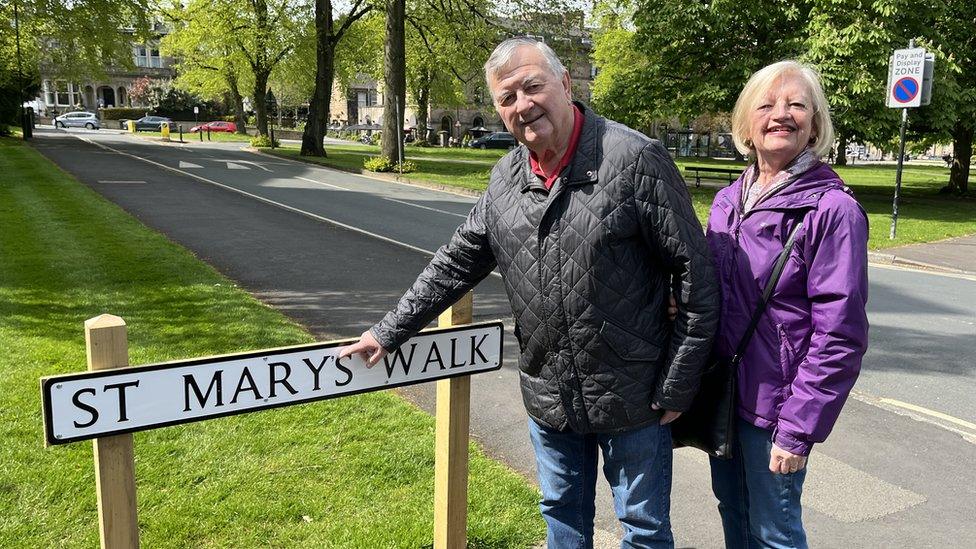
x,y
189,165
242,163
266,200
955,425
123,181
233,166
917,270
424,207
330,185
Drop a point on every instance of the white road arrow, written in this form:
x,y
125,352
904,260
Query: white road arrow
x,y
189,165
233,166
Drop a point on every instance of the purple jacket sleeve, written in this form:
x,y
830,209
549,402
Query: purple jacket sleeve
x,y
837,288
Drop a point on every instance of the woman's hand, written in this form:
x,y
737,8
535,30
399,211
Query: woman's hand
x,y
783,462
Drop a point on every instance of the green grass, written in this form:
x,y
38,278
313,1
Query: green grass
x,y
923,214
350,472
195,137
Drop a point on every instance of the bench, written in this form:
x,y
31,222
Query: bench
x,y
713,173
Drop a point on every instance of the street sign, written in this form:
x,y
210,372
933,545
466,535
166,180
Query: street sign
x,y
905,75
123,400
196,110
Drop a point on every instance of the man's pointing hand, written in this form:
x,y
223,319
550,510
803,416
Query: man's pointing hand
x,y
367,348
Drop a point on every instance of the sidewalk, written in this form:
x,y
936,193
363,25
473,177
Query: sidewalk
x,y
954,255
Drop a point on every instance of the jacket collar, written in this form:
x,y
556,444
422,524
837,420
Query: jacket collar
x,y
802,193
583,167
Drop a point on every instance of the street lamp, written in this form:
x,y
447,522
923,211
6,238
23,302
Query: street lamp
x,y
270,105
457,130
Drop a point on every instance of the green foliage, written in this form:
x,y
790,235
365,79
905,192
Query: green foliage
x,y
384,164
263,141
122,113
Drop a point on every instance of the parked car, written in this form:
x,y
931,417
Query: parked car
x,y
497,140
79,119
215,126
150,124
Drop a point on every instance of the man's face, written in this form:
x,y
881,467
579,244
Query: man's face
x,y
533,103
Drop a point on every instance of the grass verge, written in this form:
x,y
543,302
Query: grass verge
x,y
923,214
350,472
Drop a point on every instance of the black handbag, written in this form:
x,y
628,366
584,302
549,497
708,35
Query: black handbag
x,y
709,424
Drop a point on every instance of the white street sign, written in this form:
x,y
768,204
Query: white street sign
x,y
905,74
106,402
196,110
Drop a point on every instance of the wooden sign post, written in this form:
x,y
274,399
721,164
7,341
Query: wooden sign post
x,y
115,477
451,454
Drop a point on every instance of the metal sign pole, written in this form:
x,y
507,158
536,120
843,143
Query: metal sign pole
x,y
901,159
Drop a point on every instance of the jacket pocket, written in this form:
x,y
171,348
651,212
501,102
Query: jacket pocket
x,y
628,345
787,357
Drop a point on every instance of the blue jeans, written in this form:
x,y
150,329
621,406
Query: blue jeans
x,y
758,508
637,464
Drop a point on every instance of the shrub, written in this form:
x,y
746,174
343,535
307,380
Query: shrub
x,y
384,164
260,141
120,113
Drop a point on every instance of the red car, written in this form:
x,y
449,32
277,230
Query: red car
x,y
216,126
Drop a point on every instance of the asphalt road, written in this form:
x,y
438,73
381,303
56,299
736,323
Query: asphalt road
x,y
334,251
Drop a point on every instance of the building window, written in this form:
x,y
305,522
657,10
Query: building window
x,y
147,56
63,93
48,93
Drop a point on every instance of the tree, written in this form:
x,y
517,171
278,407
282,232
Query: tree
x,y
394,80
73,39
206,61
327,38
447,44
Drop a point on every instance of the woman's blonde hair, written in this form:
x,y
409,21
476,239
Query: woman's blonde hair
x,y
755,90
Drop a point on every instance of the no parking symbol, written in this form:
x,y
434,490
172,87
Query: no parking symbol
x,y
905,90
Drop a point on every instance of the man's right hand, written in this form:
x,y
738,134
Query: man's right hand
x,y
367,348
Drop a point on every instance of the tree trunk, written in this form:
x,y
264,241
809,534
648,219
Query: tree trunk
x,y
841,150
962,151
423,107
238,103
260,110
395,83
318,108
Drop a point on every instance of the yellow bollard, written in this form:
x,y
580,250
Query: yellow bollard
x,y
164,129
132,126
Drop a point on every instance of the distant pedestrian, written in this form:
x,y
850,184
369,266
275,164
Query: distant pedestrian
x,y
590,226
801,364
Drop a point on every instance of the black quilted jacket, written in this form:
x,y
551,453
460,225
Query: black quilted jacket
x,y
587,267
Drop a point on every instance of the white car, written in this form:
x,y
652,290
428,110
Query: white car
x,y
80,119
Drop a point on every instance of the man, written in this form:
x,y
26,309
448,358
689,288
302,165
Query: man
x,y
589,224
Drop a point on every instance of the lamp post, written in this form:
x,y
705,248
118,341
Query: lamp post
x,y
457,130
270,105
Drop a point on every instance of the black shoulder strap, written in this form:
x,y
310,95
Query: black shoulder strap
x,y
767,293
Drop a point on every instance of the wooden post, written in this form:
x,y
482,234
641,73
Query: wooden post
x,y
451,447
115,479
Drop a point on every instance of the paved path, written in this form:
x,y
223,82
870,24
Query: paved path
x,y
899,469
950,255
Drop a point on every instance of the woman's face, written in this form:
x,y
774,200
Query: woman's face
x,y
781,125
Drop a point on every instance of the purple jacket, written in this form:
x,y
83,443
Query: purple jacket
x,y
806,352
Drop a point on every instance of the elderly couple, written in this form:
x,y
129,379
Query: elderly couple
x,y
619,298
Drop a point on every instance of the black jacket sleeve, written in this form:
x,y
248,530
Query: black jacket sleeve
x,y
456,268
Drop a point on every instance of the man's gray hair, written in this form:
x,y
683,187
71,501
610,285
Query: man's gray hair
x,y
503,54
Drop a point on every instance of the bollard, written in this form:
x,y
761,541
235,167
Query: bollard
x,y
272,138
451,445
164,129
115,479
181,132
200,133
208,134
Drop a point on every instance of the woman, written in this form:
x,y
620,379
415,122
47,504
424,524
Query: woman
x,y
806,352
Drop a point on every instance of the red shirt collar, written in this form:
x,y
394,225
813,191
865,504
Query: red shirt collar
x,y
567,157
